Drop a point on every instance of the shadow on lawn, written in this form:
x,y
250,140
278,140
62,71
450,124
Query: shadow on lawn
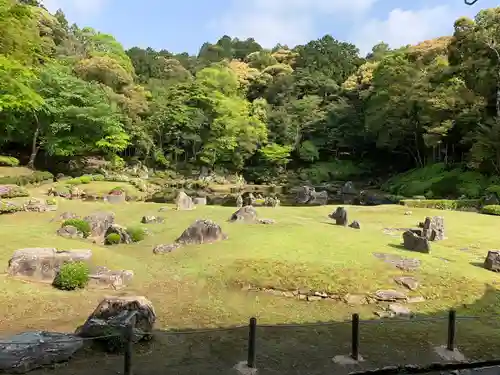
x,y
303,349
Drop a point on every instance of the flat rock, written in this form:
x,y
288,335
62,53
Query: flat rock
x,y
184,202
417,299
414,242
30,350
151,219
100,222
355,225
399,310
390,295
405,264
355,299
69,231
408,282
103,277
115,198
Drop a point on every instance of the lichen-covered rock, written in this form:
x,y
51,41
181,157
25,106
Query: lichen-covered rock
x,y
100,222
113,315
30,350
414,242
42,264
408,282
69,231
184,202
121,231
201,231
102,277
433,228
492,261
390,295
308,195
340,216
247,214
150,219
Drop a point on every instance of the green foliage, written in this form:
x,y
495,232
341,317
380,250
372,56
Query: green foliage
x,y
8,161
9,208
72,276
51,202
36,177
442,204
112,239
81,225
13,192
136,233
491,210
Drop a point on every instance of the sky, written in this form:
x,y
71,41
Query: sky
x,y
183,26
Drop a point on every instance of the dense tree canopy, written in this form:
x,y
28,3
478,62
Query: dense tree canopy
x,y
276,114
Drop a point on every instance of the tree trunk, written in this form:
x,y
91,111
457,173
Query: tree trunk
x,y
34,147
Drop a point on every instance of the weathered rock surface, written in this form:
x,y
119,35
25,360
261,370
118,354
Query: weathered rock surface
x,y
69,231
42,264
200,201
355,225
340,216
113,315
266,221
308,195
115,198
414,242
121,231
433,228
492,261
390,295
201,231
247,214
184,202
272,202
150,219
38,205
400,311
348,189
408,282
66,216
100,222
102,277
405,264
30,350
239,201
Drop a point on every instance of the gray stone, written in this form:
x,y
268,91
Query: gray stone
x,y
414,242
266,221
121,231
400,311
355,299
150,219
408,282
239,201
405,264
103,277
308,195
100,222
417,299
69,231
355,225
184,202
115,198
492,261
390,295
43,264
163,249
246,214
340,216
112,316
30,350
198,201
66,216
433,228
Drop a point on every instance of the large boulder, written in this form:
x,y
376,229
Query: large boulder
x,y
184,202
43,264
414,242
348,189
30,350
340,216
308,195
201,231
121,231
247,214
69,231
492,261
100,222
114,314
433,228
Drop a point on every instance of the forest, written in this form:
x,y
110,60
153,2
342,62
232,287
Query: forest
x,y
312,112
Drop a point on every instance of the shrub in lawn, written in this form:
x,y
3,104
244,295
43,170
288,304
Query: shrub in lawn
x,y
8,161
79,224
98,177
442,204
136,233
86,179
112,239
72,276
34,178
13,192
491,210
51,202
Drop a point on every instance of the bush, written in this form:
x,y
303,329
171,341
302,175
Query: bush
x,y
120,190
98,177
79,224
34,178
442,204
74,181
86,179
13,192
51,202
72,276
136,233
113,239
8,208
491,210
8,161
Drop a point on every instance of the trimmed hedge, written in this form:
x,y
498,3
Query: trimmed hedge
x,y
8,161
442,204
13,192
34,178
491,210
7,208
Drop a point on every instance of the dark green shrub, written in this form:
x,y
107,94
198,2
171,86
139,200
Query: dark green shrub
x,y
79,224
442,204
74,181
8,161
491,210
136,233
113,239
72,276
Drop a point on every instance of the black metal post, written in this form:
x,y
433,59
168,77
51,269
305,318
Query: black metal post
x,y
452,325
129,337
355,337
252,334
